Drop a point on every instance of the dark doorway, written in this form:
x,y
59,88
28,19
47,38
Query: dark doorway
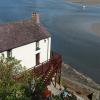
x,y
90,96
37,58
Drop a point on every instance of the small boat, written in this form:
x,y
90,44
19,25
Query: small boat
x,y
84,6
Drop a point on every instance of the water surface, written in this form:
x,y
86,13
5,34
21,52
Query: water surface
x,y
70,27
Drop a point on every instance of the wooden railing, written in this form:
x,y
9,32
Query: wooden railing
x,y
54,64
48,69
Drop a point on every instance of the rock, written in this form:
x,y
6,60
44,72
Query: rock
x,y
77,80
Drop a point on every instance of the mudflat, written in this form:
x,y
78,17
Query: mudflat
x,y
93,2
96,28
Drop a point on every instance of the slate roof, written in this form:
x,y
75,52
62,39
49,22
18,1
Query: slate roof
x,y
20,33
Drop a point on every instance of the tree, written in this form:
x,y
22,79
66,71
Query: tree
x,y
17,83
9,88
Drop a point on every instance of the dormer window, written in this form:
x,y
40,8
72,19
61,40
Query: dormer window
x,y
37,45
9,53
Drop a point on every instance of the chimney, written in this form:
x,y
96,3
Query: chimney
x,y
35,18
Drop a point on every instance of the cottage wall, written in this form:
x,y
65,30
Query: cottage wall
x,y
27,53
4,53
45,50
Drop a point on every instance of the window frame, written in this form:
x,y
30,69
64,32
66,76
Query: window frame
x,y
9,53
37,45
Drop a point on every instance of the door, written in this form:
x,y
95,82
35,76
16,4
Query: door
x,y
37,58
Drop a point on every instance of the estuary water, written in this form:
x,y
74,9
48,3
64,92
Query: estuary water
x,y
70,26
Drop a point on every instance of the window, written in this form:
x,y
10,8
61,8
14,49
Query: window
x,y
9,53
37,58
37,45
45,40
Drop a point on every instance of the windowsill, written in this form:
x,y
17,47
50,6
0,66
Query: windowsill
x,y
37,48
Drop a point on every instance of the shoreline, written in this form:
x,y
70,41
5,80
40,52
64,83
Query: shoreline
x,y
69,72
78,83
86,2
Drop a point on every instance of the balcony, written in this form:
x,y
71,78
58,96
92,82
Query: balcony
x,y
54,63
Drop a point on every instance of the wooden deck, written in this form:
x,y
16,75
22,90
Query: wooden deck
x,y
48,69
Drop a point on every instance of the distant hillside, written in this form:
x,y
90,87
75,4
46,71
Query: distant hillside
x,y
86,1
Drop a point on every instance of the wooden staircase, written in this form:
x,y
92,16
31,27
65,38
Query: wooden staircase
x,y
47,77
55,66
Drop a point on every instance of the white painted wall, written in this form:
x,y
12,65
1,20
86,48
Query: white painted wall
x,y
5,53
45,48
27,53
49,50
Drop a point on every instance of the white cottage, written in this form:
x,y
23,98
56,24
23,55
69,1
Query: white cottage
x,y
25,40
28,41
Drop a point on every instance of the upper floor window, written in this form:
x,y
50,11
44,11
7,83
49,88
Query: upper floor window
x,y
37,45
9,53
45,40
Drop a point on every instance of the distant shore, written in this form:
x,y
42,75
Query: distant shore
x,y
90,2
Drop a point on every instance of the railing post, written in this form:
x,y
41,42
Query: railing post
x,y
60,65
42,68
